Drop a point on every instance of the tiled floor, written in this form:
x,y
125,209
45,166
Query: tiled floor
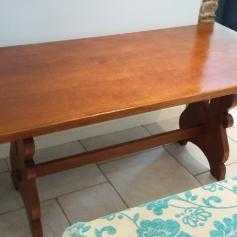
x,y
95,190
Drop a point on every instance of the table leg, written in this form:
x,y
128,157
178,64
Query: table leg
x,y
24,179
214,142
15,172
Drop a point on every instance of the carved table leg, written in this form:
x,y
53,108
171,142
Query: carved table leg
x,y
24,179
214,143
14,166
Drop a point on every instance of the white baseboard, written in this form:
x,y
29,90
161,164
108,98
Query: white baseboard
x,y
58,138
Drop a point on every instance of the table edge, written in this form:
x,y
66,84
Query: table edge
x,y
103,117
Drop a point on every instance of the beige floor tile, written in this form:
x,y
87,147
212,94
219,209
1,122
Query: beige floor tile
x,y
172,112
10,199
163,126
147,176
114,138
193,159
206,178
91,203
231,170
190,157
232,132
60,151
49,186
233,152
4,150
3,165
233,112
68,181
15,224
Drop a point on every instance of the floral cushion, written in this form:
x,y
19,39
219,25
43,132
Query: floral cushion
x,y
207,211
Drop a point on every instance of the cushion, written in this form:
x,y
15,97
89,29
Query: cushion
x,y
210,210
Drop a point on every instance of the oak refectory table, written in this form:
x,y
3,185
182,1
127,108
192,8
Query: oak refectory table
x,y
55,86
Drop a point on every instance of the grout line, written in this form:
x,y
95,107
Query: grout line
x,y
12,211
76,190
204,172
23,206
50,199
164,146
108,180
63,211
146,129
181,164
232,163
83,145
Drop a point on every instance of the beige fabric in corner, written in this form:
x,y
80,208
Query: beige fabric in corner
x,y
207,11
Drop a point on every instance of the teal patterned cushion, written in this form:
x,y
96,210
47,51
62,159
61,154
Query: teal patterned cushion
x,y
207,211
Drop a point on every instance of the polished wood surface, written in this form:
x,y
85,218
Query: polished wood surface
x,y
55,86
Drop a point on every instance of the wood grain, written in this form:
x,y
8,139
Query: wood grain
x,y
55,86
214,143
22,152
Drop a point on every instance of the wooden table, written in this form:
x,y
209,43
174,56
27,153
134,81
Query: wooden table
x,y
56,86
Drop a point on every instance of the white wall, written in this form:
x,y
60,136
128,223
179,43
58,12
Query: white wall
x,y
28,21
31,21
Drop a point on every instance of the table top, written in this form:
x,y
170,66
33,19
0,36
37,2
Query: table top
x,y
54,86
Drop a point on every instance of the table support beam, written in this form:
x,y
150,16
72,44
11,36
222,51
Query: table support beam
x,y
214,143
117,150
